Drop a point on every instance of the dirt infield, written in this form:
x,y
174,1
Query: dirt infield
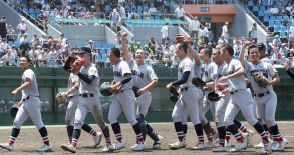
x,y
29,140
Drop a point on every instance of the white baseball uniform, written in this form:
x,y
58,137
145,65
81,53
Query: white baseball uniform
x,y
240,96
73,100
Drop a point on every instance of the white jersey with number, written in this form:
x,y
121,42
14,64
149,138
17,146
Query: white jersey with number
x,y
33,89
209,72
185,65
145,76
119,70
236,83
94,86
266,69
71,82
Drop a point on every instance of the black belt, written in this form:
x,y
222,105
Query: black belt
x,y
27,98
261,94
233,92
86,95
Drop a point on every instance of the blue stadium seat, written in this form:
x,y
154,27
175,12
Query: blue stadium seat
x,y
267,14
277,24
250,3
286,18
255,9
279,18
283,29
26,10
37,11
260,13
283,35
273,18
107,8
271,23
98,58
266,18
17,44
262,8
10,43
140,8
145,7
276,29
31,11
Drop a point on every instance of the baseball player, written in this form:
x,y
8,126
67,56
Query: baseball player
x,y
29,106
144,78
265,97
123,101
186,102
73,95
240,99
209,73
88,101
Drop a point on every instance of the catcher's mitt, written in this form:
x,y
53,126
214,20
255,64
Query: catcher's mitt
x,y
260,79
212,96
135,89
61,97
13,110
174,95
77,64
198,82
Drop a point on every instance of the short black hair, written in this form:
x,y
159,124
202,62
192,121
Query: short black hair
x,y
261,47
228,48
207,51
250,47
28,58
183,46
116,52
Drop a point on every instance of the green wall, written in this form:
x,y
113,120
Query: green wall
x,y
52,80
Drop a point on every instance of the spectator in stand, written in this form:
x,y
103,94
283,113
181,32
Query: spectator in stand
x,y
237,47
291,37
23,38
164,34
35,40
222,40
146,14
195,25
22,27
253,33
205,33
152,44
3,27
276,42
43,19
10,33
3,47
62,40
114,17
122,13
9,58
225,31
180,12
152,11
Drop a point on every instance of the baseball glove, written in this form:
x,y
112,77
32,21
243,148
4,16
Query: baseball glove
x,y
61,97
104,89
260,79
198,82
13,110
212,96
135,89
77,64
174,95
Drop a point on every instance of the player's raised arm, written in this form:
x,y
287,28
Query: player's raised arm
x,y
242,54
124,48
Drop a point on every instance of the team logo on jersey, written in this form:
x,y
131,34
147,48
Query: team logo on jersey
x,y
141,75
116,73
134,72
263,71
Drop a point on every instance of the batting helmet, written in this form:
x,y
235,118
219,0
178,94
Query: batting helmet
x,y
104,89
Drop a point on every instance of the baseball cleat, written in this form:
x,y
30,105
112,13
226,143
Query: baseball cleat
x,y
275,146
228,144
283,144
138,147
239,146
178,145
69,148
97,139
157,145
259,145
45,148
108,148
267,148
118,145
219,149
209,144
200,146
6,146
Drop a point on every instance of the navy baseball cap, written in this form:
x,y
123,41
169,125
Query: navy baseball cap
x,y
261,46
